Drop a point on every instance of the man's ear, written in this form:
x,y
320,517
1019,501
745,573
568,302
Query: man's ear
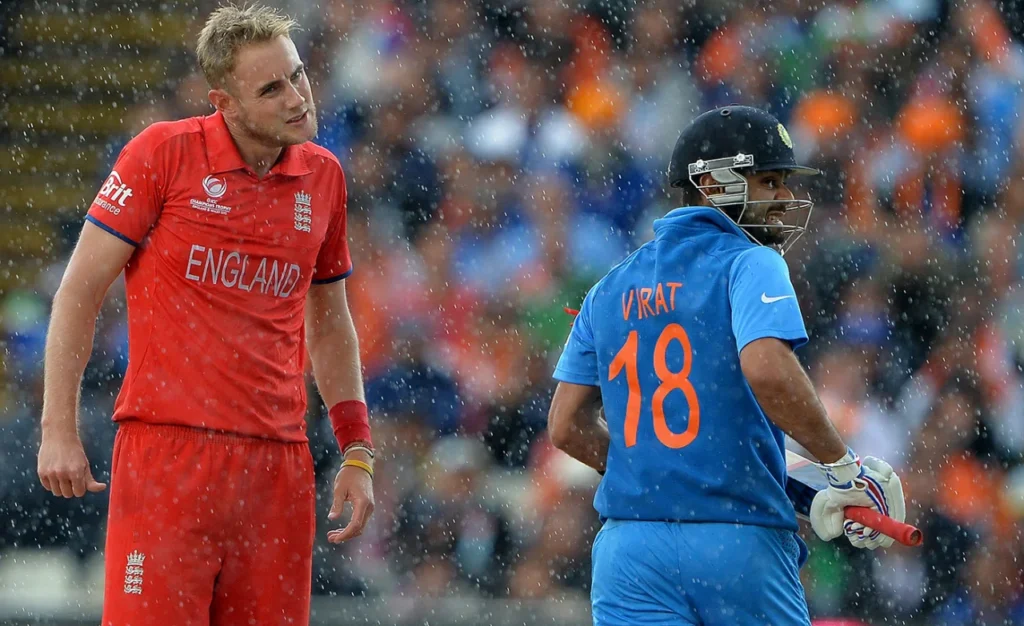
x,y
710,186
221,100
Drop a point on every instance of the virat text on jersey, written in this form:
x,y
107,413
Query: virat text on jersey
x,y
643,300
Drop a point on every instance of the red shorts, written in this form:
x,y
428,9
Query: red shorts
x,y
208,529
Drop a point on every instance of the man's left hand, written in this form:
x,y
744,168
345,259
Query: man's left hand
x,y
355,485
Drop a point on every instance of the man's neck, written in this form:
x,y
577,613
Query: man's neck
x,y
258,156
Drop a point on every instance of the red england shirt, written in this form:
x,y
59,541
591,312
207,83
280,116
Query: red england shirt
x,y
217,285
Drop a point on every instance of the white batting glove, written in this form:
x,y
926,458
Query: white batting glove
x,y
872,484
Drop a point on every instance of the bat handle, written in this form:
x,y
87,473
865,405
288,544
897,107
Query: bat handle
x,y
906,534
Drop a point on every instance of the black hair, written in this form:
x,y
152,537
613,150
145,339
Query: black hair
x,y
692,196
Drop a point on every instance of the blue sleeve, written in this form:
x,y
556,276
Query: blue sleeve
x,y
762,299
578,363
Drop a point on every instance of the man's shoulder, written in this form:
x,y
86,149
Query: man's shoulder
x,y
319,157
724,251
634,262
159,133
756,257
710,254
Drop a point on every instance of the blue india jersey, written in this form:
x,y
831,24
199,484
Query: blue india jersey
x,y
661,335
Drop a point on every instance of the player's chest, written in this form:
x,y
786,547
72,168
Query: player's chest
x,y
235,209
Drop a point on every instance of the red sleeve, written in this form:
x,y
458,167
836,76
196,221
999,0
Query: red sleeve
x,y
334,263
131,197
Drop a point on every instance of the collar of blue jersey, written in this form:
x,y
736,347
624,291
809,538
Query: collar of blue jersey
x,y
697,218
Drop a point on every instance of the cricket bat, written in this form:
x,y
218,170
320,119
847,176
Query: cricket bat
x,y
805,479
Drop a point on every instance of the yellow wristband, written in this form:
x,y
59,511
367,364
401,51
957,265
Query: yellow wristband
x,y
361,465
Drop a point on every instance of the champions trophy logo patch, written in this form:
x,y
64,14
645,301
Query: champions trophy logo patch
x,y
214,187
133,573
303,212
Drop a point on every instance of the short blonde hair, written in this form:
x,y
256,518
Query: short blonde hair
x,y
231,27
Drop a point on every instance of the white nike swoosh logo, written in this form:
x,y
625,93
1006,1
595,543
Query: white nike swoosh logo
x,y
767,300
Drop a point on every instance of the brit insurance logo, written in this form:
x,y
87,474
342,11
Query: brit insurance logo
x,y
113,193
215,189
303,212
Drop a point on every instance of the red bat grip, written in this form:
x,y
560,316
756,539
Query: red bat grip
x,y
903,533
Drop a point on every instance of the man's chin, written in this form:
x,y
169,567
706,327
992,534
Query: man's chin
x,y
293,136
767,236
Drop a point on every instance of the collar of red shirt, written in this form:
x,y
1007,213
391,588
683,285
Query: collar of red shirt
x,y
223,156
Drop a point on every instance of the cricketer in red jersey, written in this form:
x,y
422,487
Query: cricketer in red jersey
x,y
231,232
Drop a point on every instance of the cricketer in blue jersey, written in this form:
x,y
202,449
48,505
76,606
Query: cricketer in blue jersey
x,y
688,347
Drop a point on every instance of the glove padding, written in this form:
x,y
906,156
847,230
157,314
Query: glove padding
x,y
876,487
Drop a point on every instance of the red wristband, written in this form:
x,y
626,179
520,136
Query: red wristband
x,y
351,423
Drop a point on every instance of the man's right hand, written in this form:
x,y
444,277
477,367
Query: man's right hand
x,y
63,467
875,485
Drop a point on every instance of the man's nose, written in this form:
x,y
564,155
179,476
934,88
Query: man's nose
x,y
295,97
784,193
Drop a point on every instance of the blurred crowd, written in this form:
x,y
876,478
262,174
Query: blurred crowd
x,y
501,156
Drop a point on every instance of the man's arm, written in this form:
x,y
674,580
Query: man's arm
x,y
98,259
332,343
767,328
575,426
787,396
334,351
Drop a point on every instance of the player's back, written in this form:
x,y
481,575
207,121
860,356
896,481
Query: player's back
x,y
688,439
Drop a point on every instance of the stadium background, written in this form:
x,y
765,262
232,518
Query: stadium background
x,y
500,156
